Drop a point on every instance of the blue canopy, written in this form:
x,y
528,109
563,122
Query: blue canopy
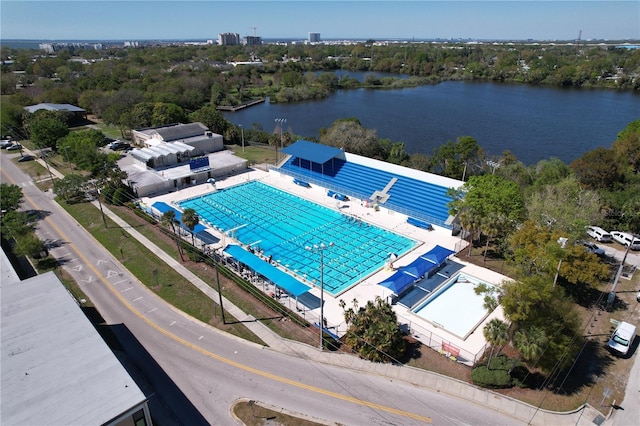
x,y
417,269
437,255
313,152
398,281
275,275
164,207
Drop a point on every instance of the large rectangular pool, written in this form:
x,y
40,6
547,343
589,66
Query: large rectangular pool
x,y
280,225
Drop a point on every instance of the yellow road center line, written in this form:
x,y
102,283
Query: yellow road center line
x,y
223,359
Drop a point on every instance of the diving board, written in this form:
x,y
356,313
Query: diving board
x,y
383,196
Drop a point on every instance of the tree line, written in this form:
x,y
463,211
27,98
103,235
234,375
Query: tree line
x,y
520,211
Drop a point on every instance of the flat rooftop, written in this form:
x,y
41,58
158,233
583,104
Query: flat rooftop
x,y
56,369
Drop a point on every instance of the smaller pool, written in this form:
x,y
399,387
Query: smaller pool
x,y
455,306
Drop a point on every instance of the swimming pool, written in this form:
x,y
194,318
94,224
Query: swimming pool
x,y
280,225
455,306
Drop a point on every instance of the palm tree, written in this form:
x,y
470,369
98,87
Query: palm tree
x,y
489,227
531,342
496,333
168,219
190,219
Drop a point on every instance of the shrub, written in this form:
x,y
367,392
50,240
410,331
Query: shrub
x,y
107,194
495,379
504,372
122,196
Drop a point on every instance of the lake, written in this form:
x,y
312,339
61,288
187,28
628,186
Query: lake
x,y
532,122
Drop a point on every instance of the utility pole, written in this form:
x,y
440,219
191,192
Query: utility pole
x,y
612,293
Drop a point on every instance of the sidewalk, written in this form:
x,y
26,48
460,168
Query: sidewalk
x,y
517,409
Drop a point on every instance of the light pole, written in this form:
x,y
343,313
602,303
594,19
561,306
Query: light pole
x,y
563,243
242,132
280,122
320,249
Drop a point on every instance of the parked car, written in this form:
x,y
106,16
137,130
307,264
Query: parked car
x,y
622,338
14,147
599,234
5,143
592,248
118,145
25,158
626,239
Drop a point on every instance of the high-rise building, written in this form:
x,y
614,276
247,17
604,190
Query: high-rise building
x,y
228,39
253,41
314,37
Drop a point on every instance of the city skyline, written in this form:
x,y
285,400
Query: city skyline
x,y
390,19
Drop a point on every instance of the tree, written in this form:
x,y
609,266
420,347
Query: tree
x,y
122,195
566,206
81,148
373,331
535,249
530,342
627,147
212,118
551,171
167,113
46,132
496,332
598,169
533,301
70,188
488,203
190,219
15,223
457,159
349,135
29,245
169,220
10,197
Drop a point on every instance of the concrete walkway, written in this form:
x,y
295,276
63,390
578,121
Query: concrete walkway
x,y
519,410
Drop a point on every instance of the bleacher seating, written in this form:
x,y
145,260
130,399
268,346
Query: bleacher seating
x,y
423,200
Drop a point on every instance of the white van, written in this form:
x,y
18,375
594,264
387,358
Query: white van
x,y
626,239
599,234
622,339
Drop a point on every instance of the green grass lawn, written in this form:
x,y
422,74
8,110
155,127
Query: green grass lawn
x,y
153,272
255,154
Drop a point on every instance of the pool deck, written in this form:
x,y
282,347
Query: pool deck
x,y
368,289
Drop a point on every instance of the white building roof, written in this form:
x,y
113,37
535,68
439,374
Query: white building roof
x,y
143,154
56,369
54,107
182,146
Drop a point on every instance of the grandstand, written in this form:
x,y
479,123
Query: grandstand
x,y
419,195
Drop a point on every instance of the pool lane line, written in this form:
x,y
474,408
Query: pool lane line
x,y
220,358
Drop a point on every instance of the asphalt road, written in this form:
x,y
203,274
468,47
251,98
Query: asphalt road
x,y
193,373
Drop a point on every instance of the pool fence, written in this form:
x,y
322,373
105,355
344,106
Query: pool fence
x,y
445,346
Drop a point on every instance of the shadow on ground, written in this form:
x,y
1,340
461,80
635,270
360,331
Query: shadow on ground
x,y
167,404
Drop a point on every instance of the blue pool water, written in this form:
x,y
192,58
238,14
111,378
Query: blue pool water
x,y
281,225
455,306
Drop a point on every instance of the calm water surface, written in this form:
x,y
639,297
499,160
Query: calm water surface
x,y
534,123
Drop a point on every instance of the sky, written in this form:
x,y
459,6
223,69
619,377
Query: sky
x,y
363,19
